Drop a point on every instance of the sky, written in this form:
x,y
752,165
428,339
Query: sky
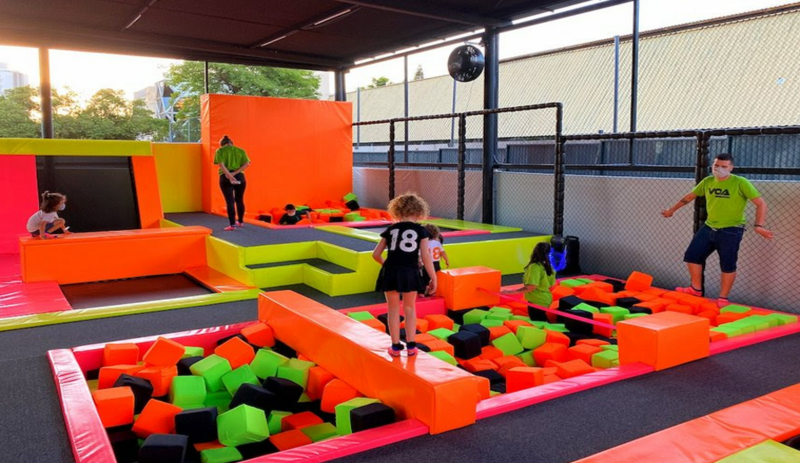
x,y
86,73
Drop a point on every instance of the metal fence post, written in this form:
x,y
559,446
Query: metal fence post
x,y
391,160
462,154
558,169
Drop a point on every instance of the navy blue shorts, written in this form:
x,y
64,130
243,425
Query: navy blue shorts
x,y
723,240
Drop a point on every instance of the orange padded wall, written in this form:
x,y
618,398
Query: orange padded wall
x,y
301,150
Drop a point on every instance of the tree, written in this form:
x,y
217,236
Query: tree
x,y
187,80
419,75
16,118
379,82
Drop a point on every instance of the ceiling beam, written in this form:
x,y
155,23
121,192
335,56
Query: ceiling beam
x,y
316,21
428,10
138,15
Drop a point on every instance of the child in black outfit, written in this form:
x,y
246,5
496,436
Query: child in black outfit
x,y
290,217
400,273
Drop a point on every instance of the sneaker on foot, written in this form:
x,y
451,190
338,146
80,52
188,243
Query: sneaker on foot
x,y
689,290
239,224
412,351
723,302
393,352
229,228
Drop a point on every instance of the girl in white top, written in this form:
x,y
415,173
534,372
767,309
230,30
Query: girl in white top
x,y
46,220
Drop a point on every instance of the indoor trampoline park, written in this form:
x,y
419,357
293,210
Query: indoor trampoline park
x,y
163,309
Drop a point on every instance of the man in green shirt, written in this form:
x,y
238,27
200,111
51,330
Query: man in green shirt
x,y
726,197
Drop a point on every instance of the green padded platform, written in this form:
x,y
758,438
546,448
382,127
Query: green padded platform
x,y
464,225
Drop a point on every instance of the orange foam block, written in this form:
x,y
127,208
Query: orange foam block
x,y
498,331
573,368
663,340
236,351
289,439
109,375
439,321
583,352
602,330
479,364
550,351
638,281
299,421
335,392
120,354
523,378
491,353
509,365
259,334
514,325
377,324
679,308
115,406
163,352
156,418
159,377
441,345
318,377
561,291
460,287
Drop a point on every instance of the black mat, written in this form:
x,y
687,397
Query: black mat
x,y
338,302
155,288
319,263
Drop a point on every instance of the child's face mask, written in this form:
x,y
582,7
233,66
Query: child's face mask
x,y
291,213
721,172
62,206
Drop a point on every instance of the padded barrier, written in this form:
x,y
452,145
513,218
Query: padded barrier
x,y
422,387
148,197
465,225
18,181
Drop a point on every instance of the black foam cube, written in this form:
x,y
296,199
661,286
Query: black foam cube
x,y
254,396
284,349
335,219
163,448
793,442
457,315
577,326
315,407
185,363
493,376
482,332
384,318
618,285
569,302
627,302
537,314
125,445
200,424
142,390
287,392
499,387
423,347
257,449
371,416
228,338
265,218
575,337
92,374
352,205
403,333
466,344
643,310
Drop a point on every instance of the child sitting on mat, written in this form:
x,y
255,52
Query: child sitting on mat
x,y
400,273
539,277
291,217
45,221
437,252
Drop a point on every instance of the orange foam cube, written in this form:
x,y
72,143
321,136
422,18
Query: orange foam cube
x,y
663,340
259,334
561,291
644,297
710,315
601,285
299,421
550,351
594,294
461,287
523,378
498,331
214,444
514,325
335,392
163,352
592,342
573,368
638,281
551,379
715,336
557,337
318,377
425,338
655,291
679,308
516,363
441,345
439,321
654,306
120,354
109,375
289,439
114,405
728,317
484,387
422,325
673,296
583,352
479,364
490,353
236,351
377,324
159,377
602,330
500,361
157,417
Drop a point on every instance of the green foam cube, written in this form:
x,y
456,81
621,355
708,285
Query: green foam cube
x,y
360,218
605,359
490,323
586,307
219,399
442,355
531,337
212,369
275,420
193,406
734,308
523,318
498,316
585,280
351,216
613,347
728,329
242,425
320,432
558,327
193,352
500,310
244,374
571,283
527,358
361,316
266,363
187,390
343,413
350,197
93,384
220,455
474,316
617,313
441,333
782,319
635,315
767,451
456,327
509,344
756,321
300,208
304,398
295,370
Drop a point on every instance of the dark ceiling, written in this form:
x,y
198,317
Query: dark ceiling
x,y
309,34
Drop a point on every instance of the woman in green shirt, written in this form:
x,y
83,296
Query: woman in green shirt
x,y
232,162
538,278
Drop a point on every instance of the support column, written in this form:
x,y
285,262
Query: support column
x,y
205,77
490,101
339,93
45,93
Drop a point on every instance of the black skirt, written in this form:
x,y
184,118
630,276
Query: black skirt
x,y
400,279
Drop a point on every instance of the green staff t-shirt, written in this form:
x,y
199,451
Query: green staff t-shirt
x,y
726,200
232,157
537,276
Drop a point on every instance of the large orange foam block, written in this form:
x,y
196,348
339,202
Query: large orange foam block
x,y
663,340
422,387
460,287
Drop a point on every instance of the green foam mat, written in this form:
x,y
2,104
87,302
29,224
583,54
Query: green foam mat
x,y
465,225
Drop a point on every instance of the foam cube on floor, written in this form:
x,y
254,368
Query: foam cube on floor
x,y
266,363
519,378
275,421
114,405
371,416
107,376
200,425
286,391
474,316
254,396
663,340
236,351
160,377
508,344
466,344
157,417
295,370
242,375
343,409
120,354
259,334
531,337
439,321
141,388
163,448
163,352
482,332
186,390
318,377
212,369
638,281
220,400
360,316
290,439
185,365
220,455
191,351
550,351
300,421
320,431
242,425
335,393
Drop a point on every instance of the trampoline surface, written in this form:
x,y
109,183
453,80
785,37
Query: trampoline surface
x,y
134,290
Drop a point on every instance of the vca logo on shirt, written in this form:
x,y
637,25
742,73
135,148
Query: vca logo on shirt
x,y
719,192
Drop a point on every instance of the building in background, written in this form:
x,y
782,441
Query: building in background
x,y
324,91
11,79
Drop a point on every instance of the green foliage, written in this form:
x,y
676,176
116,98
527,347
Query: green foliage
x,y
379,82
187,80
107,116
419,75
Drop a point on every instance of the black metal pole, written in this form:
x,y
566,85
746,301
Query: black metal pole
x,y
700,172
462,155
616,83
490,101
45,93
339,91
635,66
405,98
391,160
358,116
205,77
453,111
558,171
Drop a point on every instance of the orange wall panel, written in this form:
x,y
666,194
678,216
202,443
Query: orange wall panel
x,y
147,195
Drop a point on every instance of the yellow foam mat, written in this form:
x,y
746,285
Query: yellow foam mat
x,y
464,225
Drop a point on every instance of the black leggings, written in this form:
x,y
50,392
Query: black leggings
x,y
233,194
